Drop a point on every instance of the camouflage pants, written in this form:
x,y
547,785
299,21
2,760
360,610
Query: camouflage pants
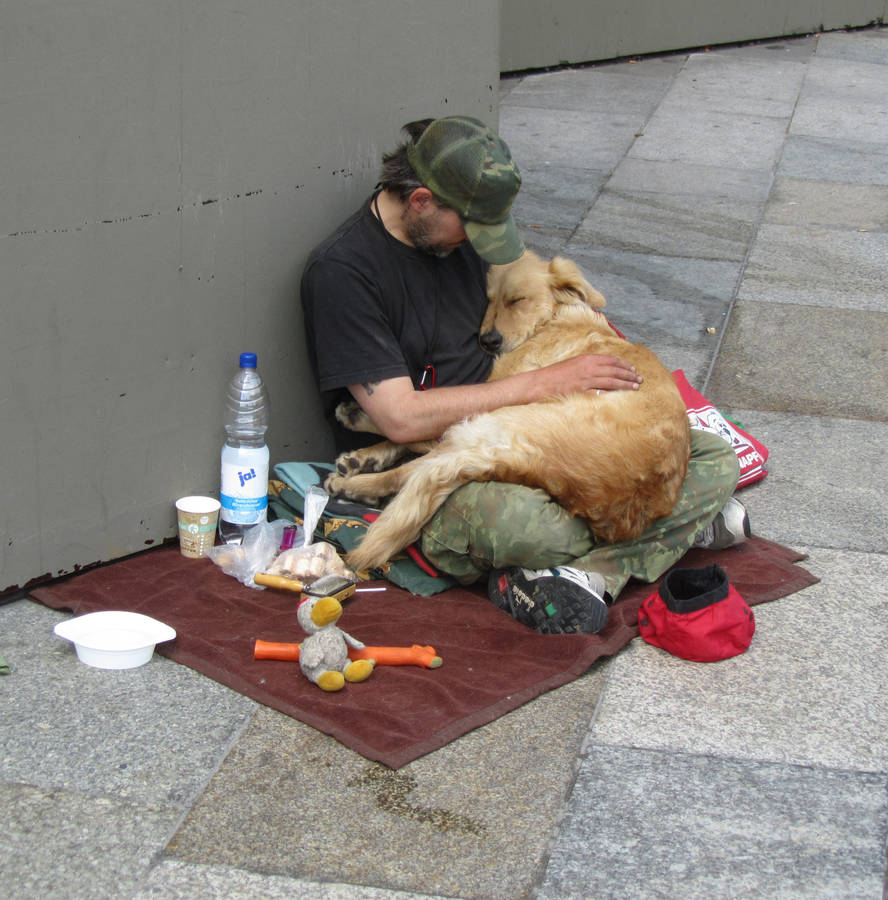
x,y
489,525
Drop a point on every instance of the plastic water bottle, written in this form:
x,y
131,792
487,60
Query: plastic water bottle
x,y
244,491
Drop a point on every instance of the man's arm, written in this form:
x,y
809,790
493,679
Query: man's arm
x,y
404,415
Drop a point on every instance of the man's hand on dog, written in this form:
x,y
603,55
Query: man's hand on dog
x,y
591,372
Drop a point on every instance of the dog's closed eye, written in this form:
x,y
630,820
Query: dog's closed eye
x,y
511,301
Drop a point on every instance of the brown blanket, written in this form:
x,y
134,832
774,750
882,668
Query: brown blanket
x,y
492,664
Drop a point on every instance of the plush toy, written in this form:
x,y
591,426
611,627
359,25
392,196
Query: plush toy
x,y
324,653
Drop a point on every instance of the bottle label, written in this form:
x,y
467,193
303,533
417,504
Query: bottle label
x,y
244,492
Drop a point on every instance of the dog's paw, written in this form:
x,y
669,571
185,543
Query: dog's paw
x,y
333,484
357,462
347,464
350,415
344,486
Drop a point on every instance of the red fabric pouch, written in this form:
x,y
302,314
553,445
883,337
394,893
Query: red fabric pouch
x,y
751,454
696,614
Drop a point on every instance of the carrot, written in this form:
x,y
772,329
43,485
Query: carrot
x,y
275,650
400,656
415,655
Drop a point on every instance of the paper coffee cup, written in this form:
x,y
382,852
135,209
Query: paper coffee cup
x,y
198,518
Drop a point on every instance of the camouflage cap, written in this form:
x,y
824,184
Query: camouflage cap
x,y
470,169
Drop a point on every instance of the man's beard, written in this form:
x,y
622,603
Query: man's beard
x,y
418,232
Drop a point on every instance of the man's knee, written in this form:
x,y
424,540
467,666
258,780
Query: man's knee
x,y
713,472
486,525
716,456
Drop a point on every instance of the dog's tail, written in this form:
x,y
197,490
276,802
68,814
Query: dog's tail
x,y
431,481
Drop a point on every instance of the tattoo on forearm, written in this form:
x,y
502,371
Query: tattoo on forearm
x,y
368,386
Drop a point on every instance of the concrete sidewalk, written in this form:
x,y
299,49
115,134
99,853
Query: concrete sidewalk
x,y
733,208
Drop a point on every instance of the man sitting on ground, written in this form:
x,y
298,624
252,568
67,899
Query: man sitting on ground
x,y
393,301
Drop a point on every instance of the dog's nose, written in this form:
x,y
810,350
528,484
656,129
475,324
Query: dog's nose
x,y
491,341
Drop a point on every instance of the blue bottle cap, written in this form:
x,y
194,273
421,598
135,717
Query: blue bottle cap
x,y
248,360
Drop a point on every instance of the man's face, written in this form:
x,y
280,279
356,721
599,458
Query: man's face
x,y
436,230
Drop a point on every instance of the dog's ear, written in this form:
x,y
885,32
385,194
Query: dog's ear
x,y
569,285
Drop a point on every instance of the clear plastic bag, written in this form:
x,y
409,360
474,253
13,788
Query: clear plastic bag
x,y
259,548
307,564
311,560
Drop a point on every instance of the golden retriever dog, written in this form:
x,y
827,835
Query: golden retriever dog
x,y
615,458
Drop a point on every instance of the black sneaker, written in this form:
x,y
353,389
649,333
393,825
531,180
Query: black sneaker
x,y
728,528
560,600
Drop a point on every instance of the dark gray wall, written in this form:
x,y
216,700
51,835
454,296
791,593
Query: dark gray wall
x,y
540,33
164,169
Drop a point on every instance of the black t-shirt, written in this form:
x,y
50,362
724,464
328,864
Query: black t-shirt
x,y
376,308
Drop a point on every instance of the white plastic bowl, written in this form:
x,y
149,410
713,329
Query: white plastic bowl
x,y
114,640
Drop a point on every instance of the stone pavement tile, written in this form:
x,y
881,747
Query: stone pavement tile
x,y
632,89
665,302
818,266
809,691
842,97
149,735
743,186
743,84
573,139
821,487
678,208
709,118
545,242
835,159
694,134
567,138
172,880
473,819
804,359
553,199
804,203
670,224
59,844
645,824
864,46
